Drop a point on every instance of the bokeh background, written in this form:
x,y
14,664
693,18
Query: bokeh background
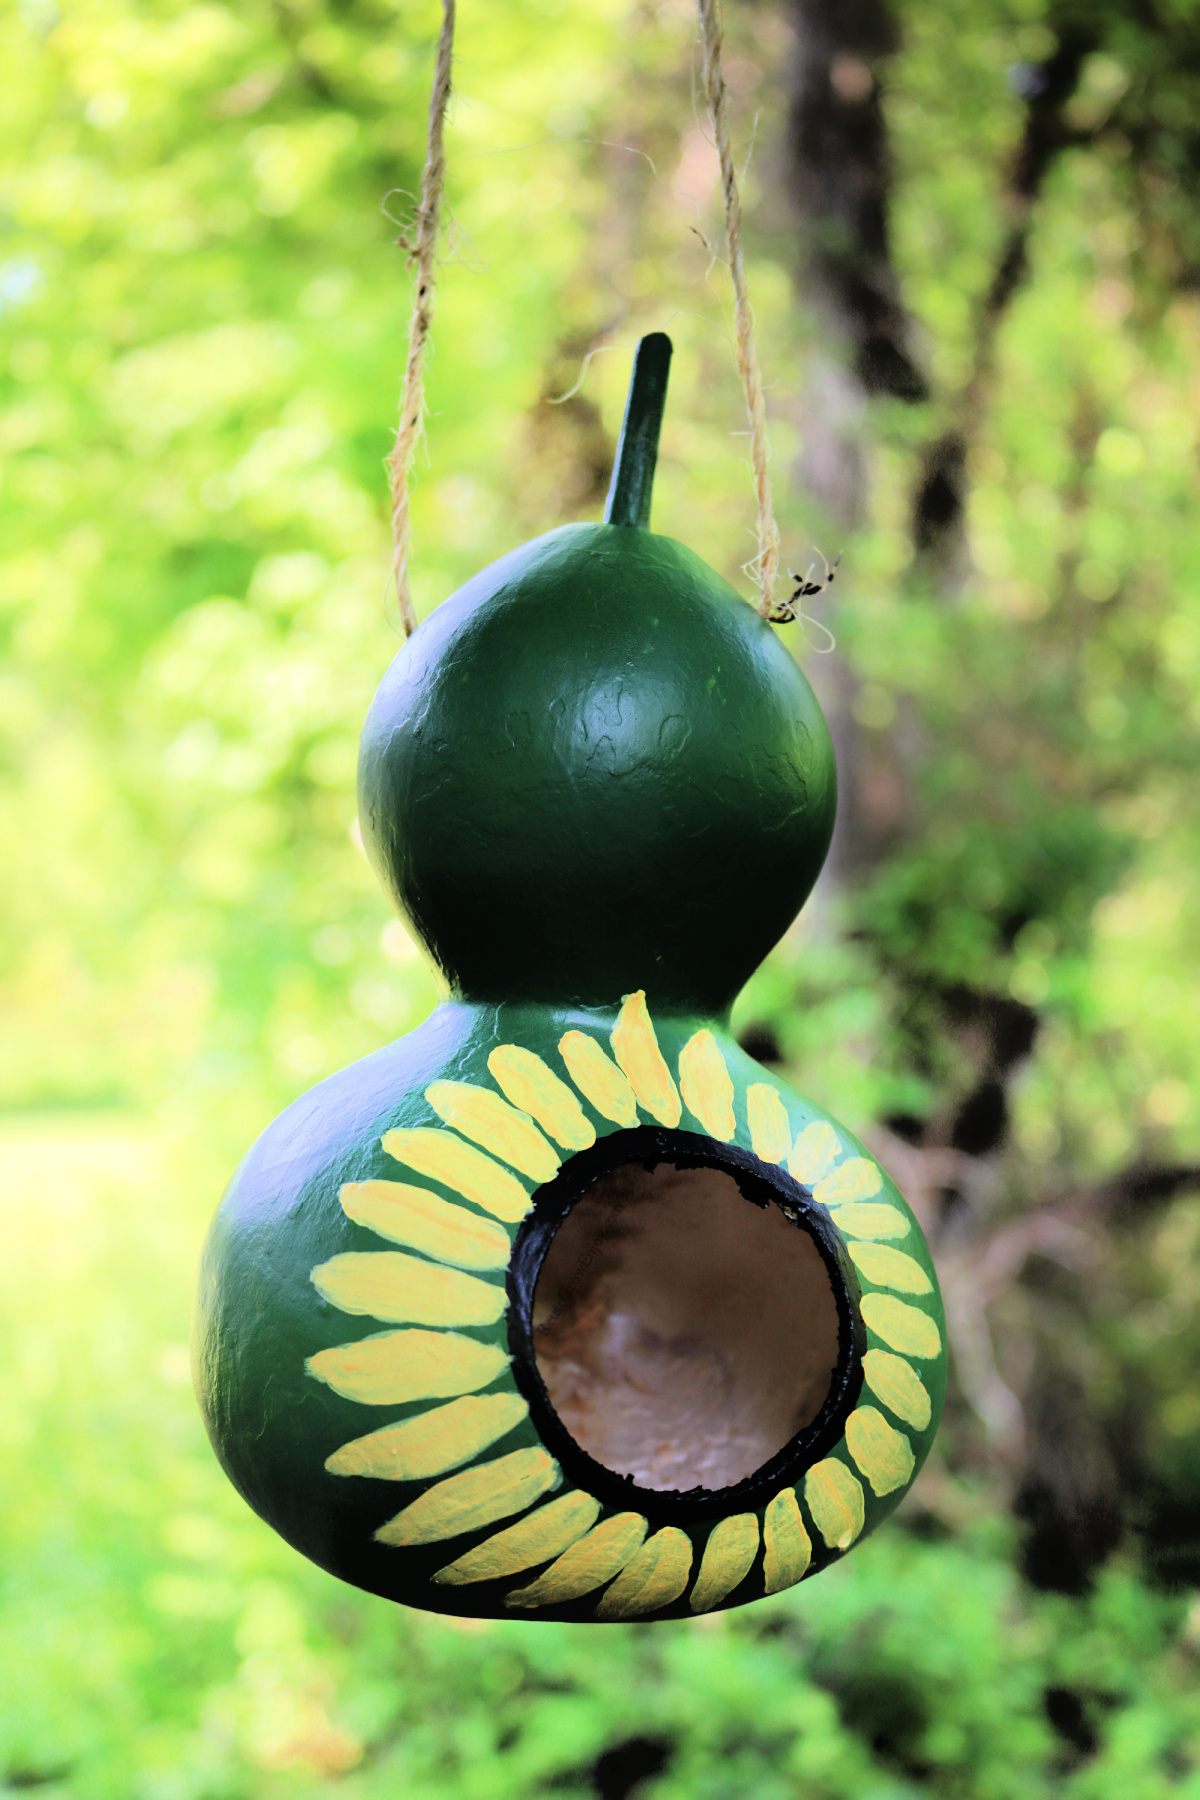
x,y
975,256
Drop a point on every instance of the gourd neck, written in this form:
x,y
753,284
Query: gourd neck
x,y
637,452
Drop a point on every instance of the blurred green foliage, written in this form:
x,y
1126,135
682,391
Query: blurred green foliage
x,y
202,318
157,1640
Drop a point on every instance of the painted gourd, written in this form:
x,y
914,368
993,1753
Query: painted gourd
x,y
562,1307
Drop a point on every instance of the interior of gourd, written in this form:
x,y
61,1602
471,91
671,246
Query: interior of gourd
x,y
684,1333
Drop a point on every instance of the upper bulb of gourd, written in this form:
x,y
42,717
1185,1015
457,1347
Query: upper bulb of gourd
x,y
595,768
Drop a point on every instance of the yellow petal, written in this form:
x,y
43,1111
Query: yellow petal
x,y
835,1500
488,1120
528,1083
857,1179
594,1560
473,1499
652,1579
532,1540
445,1158
414,1216
815,1151
394,1366
889,1268
898,1385
904,1327
770,1132
866,1221
787,1545
431,1442
882,1453
706,1086
635,1047
731,1548
598,1078
386,1284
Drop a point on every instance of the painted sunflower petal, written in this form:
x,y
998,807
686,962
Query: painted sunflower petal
x,y
395,1366
864,1220
884,1454
857,1179
430,1442
898,1385
652,1579
635,1046
387,1284
902,1327
707,1088
588,1564
425,1222
770,1129
814,1153
474,1498
490,1121
835,1499
788,1548
728,1555
884,1267
529,1084
598,1078
532,1540
446,1158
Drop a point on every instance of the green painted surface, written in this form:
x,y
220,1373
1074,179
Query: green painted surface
x,y
595,768
593,771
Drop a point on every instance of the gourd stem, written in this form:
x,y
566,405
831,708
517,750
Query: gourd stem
x,y
637,452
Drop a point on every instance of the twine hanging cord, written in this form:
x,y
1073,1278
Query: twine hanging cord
x,y
422,252
766,562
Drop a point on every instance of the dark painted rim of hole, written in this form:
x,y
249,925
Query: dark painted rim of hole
x,y
761,1184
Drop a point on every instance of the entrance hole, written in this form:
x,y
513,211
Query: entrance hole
x,y
684,1333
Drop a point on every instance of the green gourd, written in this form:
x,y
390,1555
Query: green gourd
x,y
561,1306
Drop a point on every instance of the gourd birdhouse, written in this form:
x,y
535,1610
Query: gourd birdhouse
x,y
561,1307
